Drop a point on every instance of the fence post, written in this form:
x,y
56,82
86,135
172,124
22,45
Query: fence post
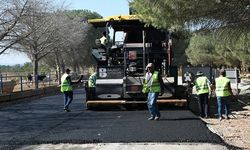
x,y
236,76
36,82
21,78
49,78
1,83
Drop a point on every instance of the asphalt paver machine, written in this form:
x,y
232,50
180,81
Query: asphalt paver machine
x,y
121,64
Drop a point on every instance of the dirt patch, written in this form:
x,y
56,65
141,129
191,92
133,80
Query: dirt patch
x,y
236,130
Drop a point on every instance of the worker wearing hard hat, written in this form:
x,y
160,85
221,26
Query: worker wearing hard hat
x,y
152,86
92,85
104,40
202,85
67,89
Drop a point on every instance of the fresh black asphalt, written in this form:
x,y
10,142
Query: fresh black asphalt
x,y
43,121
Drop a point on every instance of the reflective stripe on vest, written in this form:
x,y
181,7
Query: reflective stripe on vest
x,y
154,86
221,85
65,85
201,85
104,40
92,80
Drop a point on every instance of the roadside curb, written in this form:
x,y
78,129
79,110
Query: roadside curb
x,y
28,94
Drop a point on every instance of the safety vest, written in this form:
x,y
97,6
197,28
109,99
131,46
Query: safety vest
x,y
104,40
221,86
65,85
201,85
154,85
187,77
92,80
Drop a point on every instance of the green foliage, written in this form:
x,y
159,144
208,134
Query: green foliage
x,y
222,27
200,50
27,67
178,49
23,69
84,14
5,68
44,69
209,49
193,13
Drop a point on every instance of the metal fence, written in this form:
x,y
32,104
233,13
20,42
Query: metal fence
x,y
18,83
11,83
211,73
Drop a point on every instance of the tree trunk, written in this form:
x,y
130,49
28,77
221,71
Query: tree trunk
x,y
58,69
58,74
62,68
81,68
35,70
74,67
78,68
62,65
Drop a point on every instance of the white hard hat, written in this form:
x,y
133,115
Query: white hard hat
x,y
199,73
150,65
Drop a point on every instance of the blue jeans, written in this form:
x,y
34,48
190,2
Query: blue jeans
x,y
68,97
152,104
223,104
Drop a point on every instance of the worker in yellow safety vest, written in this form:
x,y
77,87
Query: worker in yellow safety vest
x,y
152,86
223,92
202,86
67,89
104,40
92,86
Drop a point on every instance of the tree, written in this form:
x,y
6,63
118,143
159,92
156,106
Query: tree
x,y
38,22
200,14
208,49
227,20
87,39
242,50
11,12
235,50
27,67
76,39
201,50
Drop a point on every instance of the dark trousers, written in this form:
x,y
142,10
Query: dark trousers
x,y
203,104
90,92
68,97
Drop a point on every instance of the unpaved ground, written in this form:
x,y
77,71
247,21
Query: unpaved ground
x,y
236,130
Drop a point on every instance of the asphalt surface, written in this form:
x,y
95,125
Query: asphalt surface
x,y
43,120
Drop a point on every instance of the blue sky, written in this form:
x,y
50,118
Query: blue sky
x,y
103,7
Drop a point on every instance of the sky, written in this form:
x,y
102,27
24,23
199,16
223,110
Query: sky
x,y
103,7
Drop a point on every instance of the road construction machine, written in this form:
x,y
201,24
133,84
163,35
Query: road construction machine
x,y
121,65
